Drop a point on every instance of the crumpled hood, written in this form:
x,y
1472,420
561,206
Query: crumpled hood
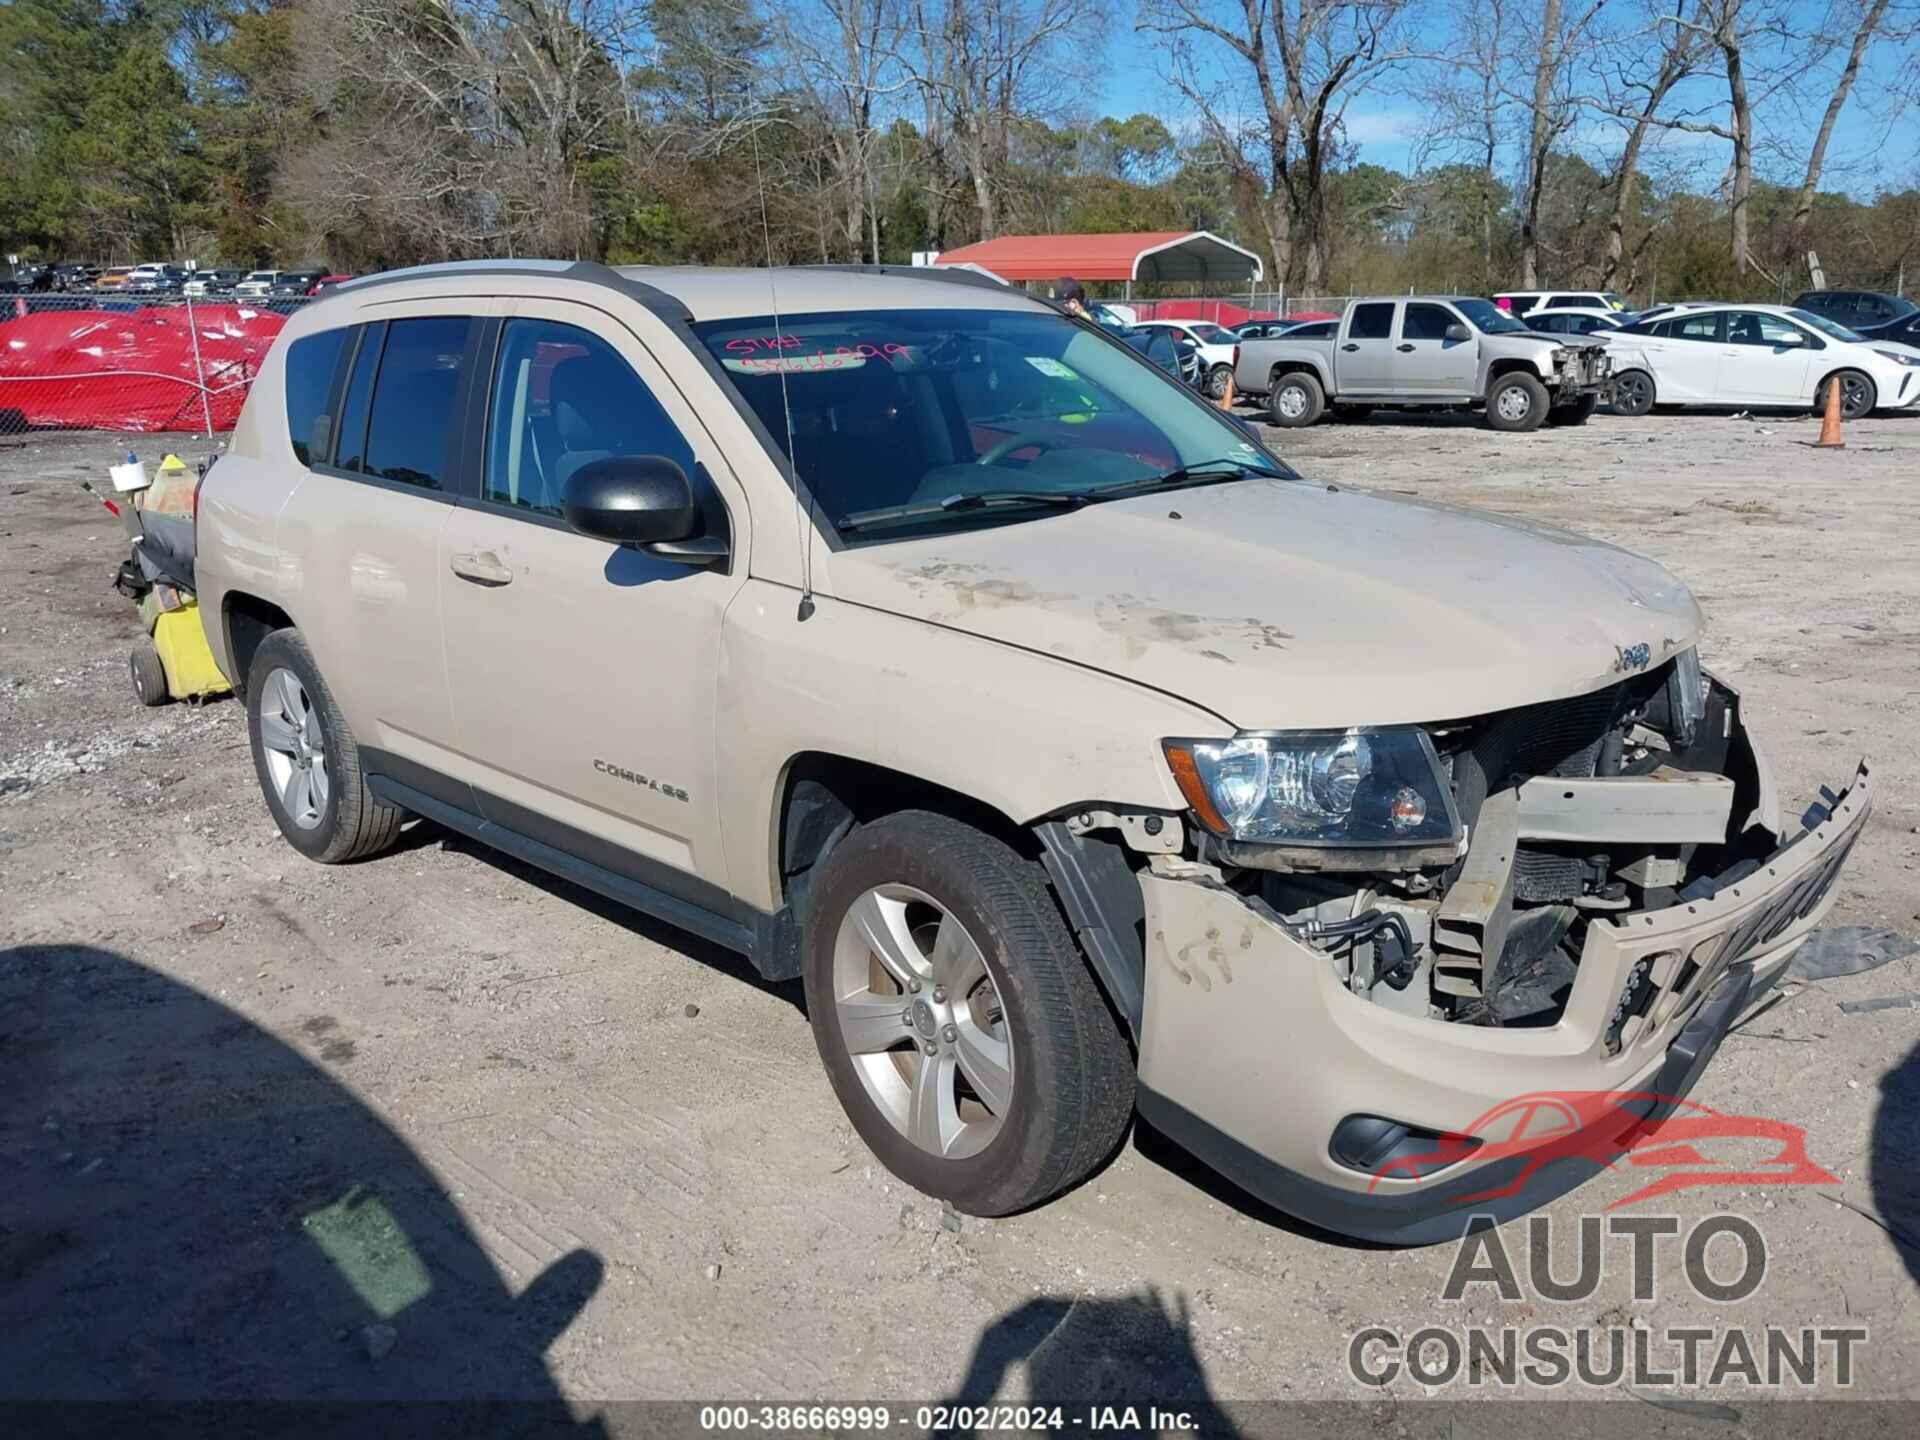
x,y
1279,603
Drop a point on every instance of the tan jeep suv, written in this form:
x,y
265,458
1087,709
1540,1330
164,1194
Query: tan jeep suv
x,y
917,639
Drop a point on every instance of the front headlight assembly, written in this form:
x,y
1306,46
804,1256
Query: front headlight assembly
x,y
1356,788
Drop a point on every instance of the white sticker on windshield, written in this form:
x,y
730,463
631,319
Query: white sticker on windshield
x,y
1047,365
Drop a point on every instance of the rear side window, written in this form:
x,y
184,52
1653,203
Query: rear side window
x,y
1698,327
1371,322
310,366
1523,303
410,425
1569,302
352,449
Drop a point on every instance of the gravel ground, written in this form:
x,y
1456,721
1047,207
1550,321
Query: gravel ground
x,y
438,1125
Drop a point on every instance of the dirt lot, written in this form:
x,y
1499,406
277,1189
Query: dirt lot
x,y
253,1110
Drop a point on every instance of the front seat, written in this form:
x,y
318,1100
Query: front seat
x,y
590,417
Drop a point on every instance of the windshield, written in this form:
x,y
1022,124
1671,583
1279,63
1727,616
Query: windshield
x,y
1826,326
1211,334
910,408
1489,318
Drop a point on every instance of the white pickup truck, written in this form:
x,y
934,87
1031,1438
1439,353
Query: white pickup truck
x,y
1422,352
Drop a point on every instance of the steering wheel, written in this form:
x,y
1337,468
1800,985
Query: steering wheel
x,y
1012,443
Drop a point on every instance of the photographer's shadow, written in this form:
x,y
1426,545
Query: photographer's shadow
x,y
1088,1354
193,1210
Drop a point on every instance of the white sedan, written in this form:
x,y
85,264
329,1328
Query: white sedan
x,y
1219,350
1757,355
1576,320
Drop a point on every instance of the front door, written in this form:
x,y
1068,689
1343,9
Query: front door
x,y
1765,361
583,673
1425,361
1364,363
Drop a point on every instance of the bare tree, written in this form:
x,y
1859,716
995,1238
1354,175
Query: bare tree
x,y
848,52
1871,17
984,64
1639,71
1556,31
1306,61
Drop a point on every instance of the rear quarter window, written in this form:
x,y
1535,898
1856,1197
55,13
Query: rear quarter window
x,y
311,361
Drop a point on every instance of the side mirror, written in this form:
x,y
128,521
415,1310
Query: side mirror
x,y
1457,331
643,500
1791,339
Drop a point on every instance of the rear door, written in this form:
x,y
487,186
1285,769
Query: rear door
x,y
1765,361
368,529
1363,364
583,673
1426,362
1687,364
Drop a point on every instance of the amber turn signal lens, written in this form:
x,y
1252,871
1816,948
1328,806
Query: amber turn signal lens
x,y
1187,777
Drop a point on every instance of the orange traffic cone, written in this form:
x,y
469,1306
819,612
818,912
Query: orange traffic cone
x,y
1226,400
1830,422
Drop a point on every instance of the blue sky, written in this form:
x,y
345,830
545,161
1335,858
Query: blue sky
x,y
1875,144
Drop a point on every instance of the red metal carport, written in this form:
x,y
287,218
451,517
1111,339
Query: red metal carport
x,y
1196,255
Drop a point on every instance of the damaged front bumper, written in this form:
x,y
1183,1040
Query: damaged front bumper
x,y
1253,1053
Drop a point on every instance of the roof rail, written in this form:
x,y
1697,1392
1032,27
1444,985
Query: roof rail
x,y
590,271
951,274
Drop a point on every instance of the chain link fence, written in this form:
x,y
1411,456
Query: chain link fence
x,y
141,364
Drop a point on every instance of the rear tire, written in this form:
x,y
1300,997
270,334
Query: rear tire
x,y
1858,394
1516,402
1633,393
306,759
1577,413
149,675
1296,401
961,917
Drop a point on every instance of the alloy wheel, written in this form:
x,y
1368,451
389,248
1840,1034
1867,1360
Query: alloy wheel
x,y
923,1021
296,748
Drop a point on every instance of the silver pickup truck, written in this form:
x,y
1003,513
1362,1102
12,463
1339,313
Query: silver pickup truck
x,y
1429,352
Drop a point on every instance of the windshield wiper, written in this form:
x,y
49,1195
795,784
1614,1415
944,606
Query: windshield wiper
x,y
1206,472
969,500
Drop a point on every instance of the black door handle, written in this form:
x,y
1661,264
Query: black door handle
x,y
1405,349
1349,347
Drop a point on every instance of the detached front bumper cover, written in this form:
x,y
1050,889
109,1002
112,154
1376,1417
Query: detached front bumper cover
x,y
1252,1052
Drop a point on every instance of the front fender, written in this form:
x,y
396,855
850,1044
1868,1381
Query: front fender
x,y
1021,731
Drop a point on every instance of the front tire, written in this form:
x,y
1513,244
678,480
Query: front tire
x,y
306,759
1296,401
1516,402
1632,393
1858,394
1218,378
959,1025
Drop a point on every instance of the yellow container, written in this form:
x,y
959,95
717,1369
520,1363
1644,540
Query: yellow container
x,y
184,655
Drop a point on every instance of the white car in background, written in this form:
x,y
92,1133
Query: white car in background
x,y
1576,320
1525,302
1218,347
257,284
1757,355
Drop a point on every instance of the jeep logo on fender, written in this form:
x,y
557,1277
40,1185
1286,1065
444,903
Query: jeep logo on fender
x,y
1633,657
633,777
